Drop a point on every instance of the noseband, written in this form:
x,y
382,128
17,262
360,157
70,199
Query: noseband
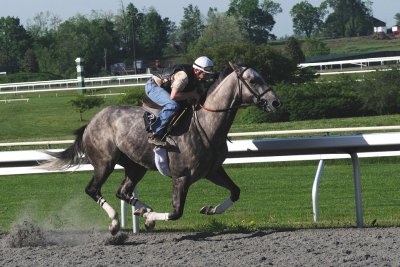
x,y
259,102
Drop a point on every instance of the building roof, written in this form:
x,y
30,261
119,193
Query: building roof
x,y
378,23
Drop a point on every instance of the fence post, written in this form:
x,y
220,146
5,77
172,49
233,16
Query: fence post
x,y
80,75
357,189
314,193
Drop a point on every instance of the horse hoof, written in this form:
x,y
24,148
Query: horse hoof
x,y
207,210
150,225
114,227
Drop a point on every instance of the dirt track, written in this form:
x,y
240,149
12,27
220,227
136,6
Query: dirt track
x,y
30,246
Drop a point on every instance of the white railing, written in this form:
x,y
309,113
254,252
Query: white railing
x,y
314,131
362,64
71,84
14,100
267,150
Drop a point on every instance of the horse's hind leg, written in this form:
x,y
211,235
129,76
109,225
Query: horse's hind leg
x,y
133,174
93,189
221,178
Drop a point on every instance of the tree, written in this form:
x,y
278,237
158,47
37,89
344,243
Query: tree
x,y
293,50
256,18
397,18
153,34
29,62
270,62
191,26
80,36
84,103
14,41
43,29
42,25
127,25
349,18
220,29
306,18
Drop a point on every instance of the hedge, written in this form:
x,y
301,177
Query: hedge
x,y
378,93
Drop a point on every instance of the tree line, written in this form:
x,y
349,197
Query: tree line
x,y
243,32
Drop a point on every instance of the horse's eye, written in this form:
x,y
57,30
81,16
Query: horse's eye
x,y
252,81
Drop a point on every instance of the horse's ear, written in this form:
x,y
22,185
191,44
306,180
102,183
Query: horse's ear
x,y
235,67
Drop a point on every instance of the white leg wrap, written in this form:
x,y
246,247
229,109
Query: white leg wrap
x,y
110,211
223,206
155,216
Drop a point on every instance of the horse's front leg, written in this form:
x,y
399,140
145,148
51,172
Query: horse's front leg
x,y
221,178
180,190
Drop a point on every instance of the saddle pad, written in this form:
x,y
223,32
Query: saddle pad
x,y
161,160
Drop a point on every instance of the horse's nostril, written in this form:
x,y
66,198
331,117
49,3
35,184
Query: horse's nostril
x,y
276,103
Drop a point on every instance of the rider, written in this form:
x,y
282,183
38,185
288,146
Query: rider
x,y
171,85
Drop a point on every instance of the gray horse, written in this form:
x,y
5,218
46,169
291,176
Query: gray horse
x,y
117,135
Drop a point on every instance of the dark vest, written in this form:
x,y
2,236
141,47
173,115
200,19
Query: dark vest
x,y
165,75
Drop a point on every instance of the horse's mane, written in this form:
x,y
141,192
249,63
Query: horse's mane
x,y
226,70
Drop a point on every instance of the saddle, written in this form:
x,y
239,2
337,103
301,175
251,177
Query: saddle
x,y
152,111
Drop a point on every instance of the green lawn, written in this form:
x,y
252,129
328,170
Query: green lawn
x,y
353,45
47,116
272,196
361,44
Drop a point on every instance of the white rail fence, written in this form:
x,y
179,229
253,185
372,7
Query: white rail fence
x,y
319,148
362,64
72,84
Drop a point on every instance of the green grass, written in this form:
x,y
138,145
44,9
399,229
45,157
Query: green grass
x,y
353,45
361,44
272,196
47,116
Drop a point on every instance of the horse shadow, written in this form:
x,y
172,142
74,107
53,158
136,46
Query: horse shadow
x,y
236,235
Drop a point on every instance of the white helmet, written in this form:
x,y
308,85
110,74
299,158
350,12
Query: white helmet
x,y
204,64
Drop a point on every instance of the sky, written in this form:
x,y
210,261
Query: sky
x,y
25,10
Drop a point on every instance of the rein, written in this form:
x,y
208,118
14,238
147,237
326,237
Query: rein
x,y
221,110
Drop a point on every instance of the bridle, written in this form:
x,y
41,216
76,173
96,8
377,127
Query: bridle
x,y
241,81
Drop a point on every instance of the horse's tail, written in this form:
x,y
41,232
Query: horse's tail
x,y
72,156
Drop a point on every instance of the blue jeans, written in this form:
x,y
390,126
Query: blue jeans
x,y
162,98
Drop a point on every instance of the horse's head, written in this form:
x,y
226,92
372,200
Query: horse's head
x,y
255,90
